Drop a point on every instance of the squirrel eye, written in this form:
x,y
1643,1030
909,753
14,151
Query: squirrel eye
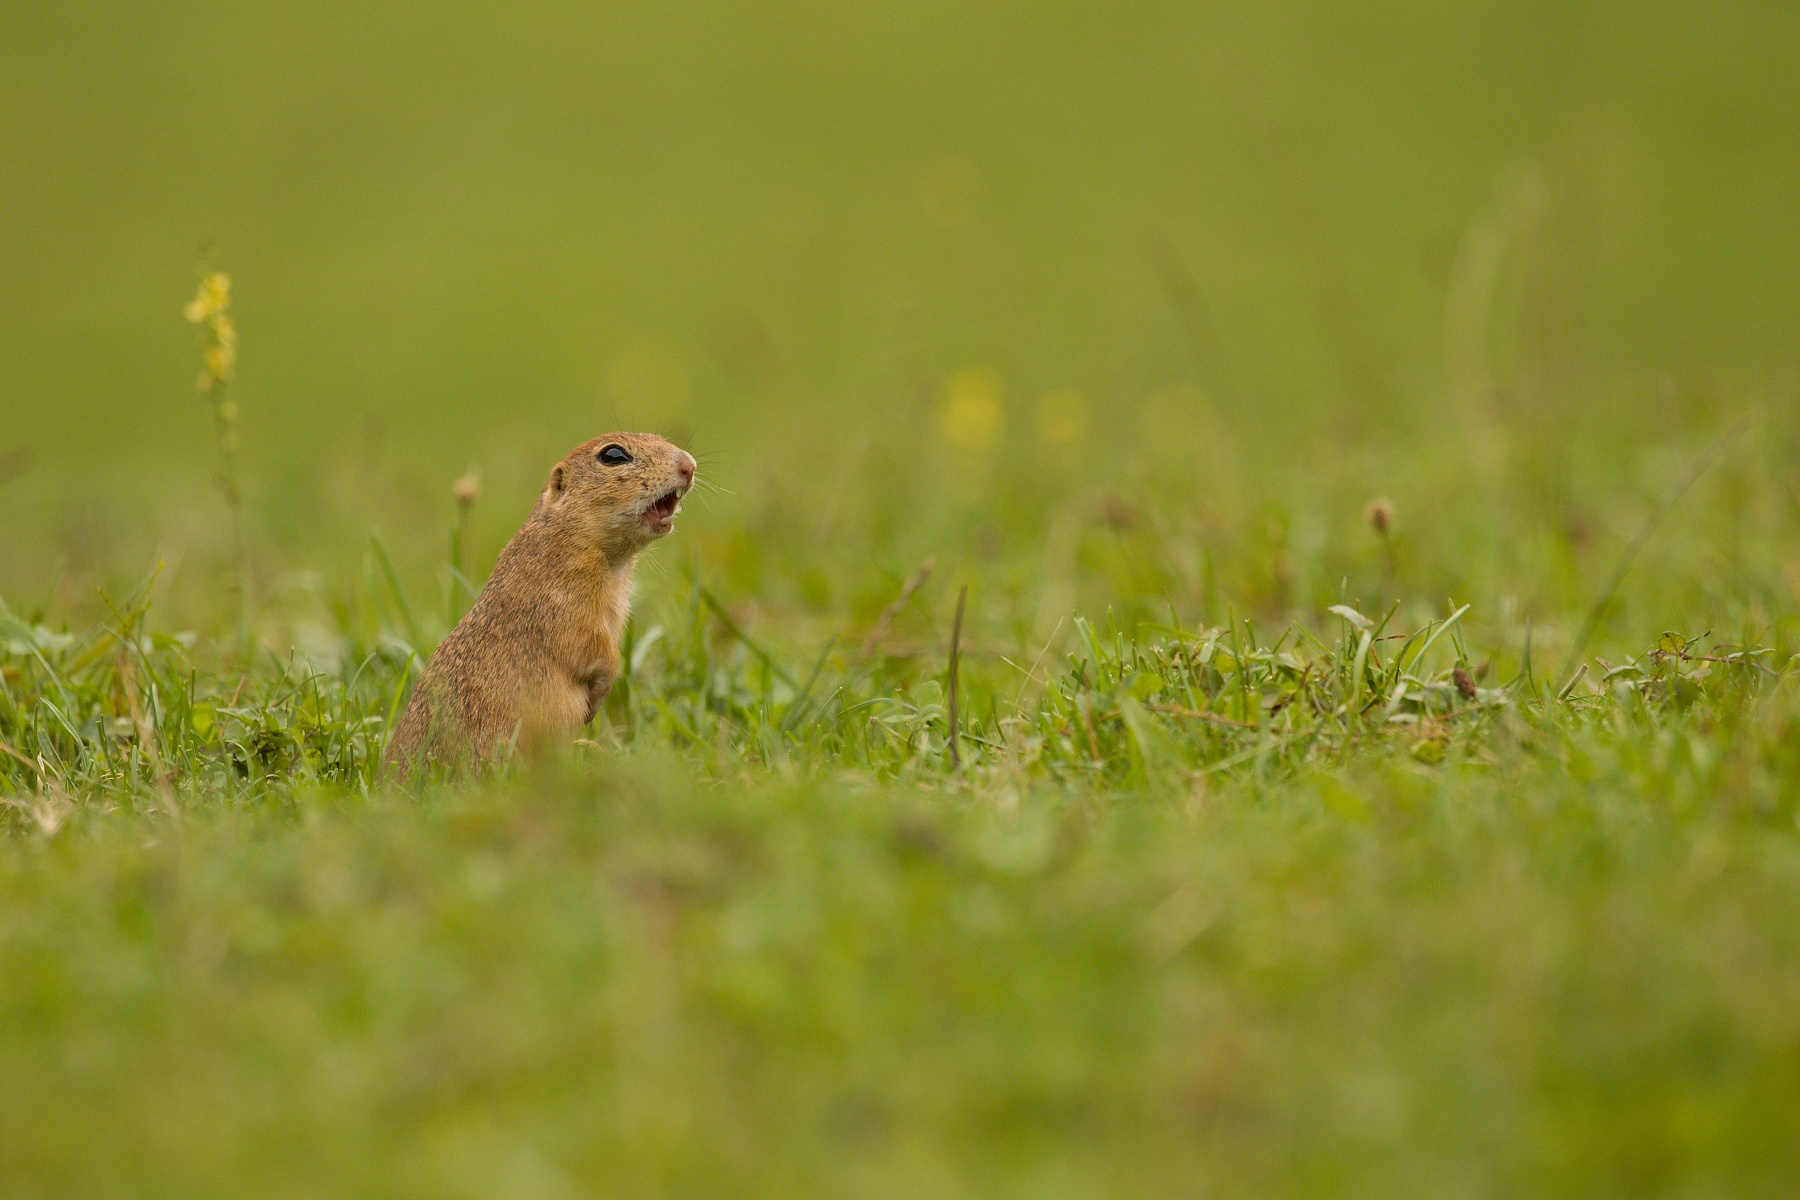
x,y
612,456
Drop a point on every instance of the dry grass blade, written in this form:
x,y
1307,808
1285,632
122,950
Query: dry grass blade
x,y
146,736
31,766
888,614
1175,710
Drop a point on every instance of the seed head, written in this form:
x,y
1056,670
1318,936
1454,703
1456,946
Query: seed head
x,y
1379,513
1465,683
467,487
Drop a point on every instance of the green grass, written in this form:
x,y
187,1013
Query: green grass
x,y
1257,913
1348,984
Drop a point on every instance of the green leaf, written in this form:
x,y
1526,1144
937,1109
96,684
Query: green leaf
x,y
1429,752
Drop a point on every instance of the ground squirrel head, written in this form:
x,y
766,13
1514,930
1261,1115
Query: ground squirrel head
x,y
620,491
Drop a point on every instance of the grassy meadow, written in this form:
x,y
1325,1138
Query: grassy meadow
x,y
1237,636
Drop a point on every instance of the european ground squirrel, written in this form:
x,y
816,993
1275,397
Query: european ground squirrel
x,y
533,658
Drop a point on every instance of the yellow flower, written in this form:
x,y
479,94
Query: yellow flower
x,y
224,330
219,361
213,297
969,410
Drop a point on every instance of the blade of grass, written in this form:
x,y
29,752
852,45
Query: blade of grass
x,y
1654,519
386,562
892,611
1439,632
962,595
737,631
798,708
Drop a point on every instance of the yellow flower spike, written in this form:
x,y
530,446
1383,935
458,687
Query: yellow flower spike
x,y
212,298
219,361
224,330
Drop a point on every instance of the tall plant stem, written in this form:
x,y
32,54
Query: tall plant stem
x,y
955,659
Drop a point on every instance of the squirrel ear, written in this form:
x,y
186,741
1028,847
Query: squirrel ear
x,y
556,480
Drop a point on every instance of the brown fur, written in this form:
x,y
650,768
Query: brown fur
x,y
533,658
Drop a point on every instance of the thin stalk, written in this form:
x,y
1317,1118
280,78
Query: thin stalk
x,y
1651,522
962,595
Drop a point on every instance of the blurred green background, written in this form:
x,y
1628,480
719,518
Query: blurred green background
x,y
1261,242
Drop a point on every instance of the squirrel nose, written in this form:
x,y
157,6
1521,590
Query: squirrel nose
x,y
684,466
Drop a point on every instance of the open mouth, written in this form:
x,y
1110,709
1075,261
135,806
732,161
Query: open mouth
x,y
661,513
